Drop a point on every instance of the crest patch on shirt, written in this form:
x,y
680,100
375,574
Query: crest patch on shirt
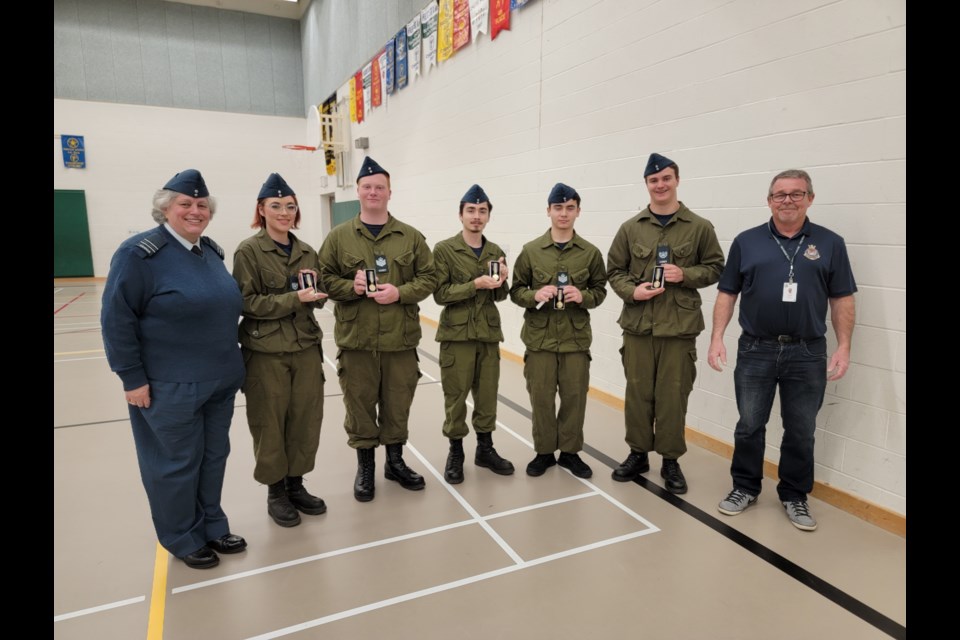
x,y
811,253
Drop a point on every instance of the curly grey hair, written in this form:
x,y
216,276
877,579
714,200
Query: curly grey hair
x,y
162,199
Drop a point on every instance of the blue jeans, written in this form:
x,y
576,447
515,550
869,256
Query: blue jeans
x,y
800,370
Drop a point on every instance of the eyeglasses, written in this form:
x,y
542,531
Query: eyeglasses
x,y
277,208
796,196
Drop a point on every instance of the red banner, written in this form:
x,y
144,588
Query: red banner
x,y
375,98
499,17
461,23
358,90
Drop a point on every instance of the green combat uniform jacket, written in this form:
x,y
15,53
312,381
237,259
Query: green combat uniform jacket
x,y
468,313
545,329
632,257
362,324
274,319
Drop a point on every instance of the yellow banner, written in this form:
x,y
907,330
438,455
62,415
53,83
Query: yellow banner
x,y
445,31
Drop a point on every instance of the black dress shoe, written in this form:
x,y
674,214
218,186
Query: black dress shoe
x,y
670,471
228,543
635,464
541,463
202,558
576,466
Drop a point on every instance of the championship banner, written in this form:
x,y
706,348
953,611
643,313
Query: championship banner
x,y
353,98
330,158
391,52
375,81
380,64
428,26
499,17
358,94
413,47
367,86
73,152
479,10
401,59
461,23
445,31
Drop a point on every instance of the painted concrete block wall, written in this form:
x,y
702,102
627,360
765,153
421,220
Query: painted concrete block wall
x,y
734,91
133,150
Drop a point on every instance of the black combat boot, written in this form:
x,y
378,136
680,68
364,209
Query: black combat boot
x,y
670,471
397,469
302,499
363,486
636,463
453,472
279,506
488,457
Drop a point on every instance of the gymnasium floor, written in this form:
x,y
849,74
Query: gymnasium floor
x,y
494,557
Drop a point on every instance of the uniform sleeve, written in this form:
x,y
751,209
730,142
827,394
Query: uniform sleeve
x,y
731,281
520,292
618,267
500,293
447,291
425,275
710,265
596,291
335,284
258,304
125,298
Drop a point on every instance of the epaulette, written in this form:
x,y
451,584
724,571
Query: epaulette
x,y
151,244
213,245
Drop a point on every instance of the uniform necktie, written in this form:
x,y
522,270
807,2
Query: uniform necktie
x,y
197,250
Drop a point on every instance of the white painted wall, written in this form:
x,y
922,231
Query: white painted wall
x,y
733,91
133,150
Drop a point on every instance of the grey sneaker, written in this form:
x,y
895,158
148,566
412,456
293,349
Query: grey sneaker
x,y
735,503
799,513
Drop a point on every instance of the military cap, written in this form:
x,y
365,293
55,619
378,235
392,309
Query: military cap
x,y
657,163
562,193
370,168
189,182
475,195
275,187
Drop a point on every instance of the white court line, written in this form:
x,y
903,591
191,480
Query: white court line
x,y
321,556
56,291
373,606
102,607
79,359
540,505
468,508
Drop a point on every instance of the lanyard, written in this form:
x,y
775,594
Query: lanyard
x,y
789,258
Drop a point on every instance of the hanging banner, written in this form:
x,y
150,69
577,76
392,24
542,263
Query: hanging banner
x,y
461,23
390,74
352,86
445,31
413,47
516,4
358,94
381,62
367,86
479,10
428,27
376,80
74,156
401,59
499,17
328,107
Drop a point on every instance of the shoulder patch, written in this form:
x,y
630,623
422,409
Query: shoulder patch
x,y
213,245
151,244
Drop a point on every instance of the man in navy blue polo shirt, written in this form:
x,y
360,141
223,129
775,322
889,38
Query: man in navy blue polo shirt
x,y
786,272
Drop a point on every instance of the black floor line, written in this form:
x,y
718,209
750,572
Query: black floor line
x,y
863,611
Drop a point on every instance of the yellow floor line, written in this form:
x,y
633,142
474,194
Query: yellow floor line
x,y
77,353
158,599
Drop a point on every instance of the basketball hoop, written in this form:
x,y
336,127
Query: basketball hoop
x,y
299,147
313,137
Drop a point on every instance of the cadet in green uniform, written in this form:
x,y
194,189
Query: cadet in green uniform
x,y
471,277
557,278
377,269
280,340
661,319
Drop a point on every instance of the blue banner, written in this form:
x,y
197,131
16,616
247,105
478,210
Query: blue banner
x,y
73,153
401,59
391,52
